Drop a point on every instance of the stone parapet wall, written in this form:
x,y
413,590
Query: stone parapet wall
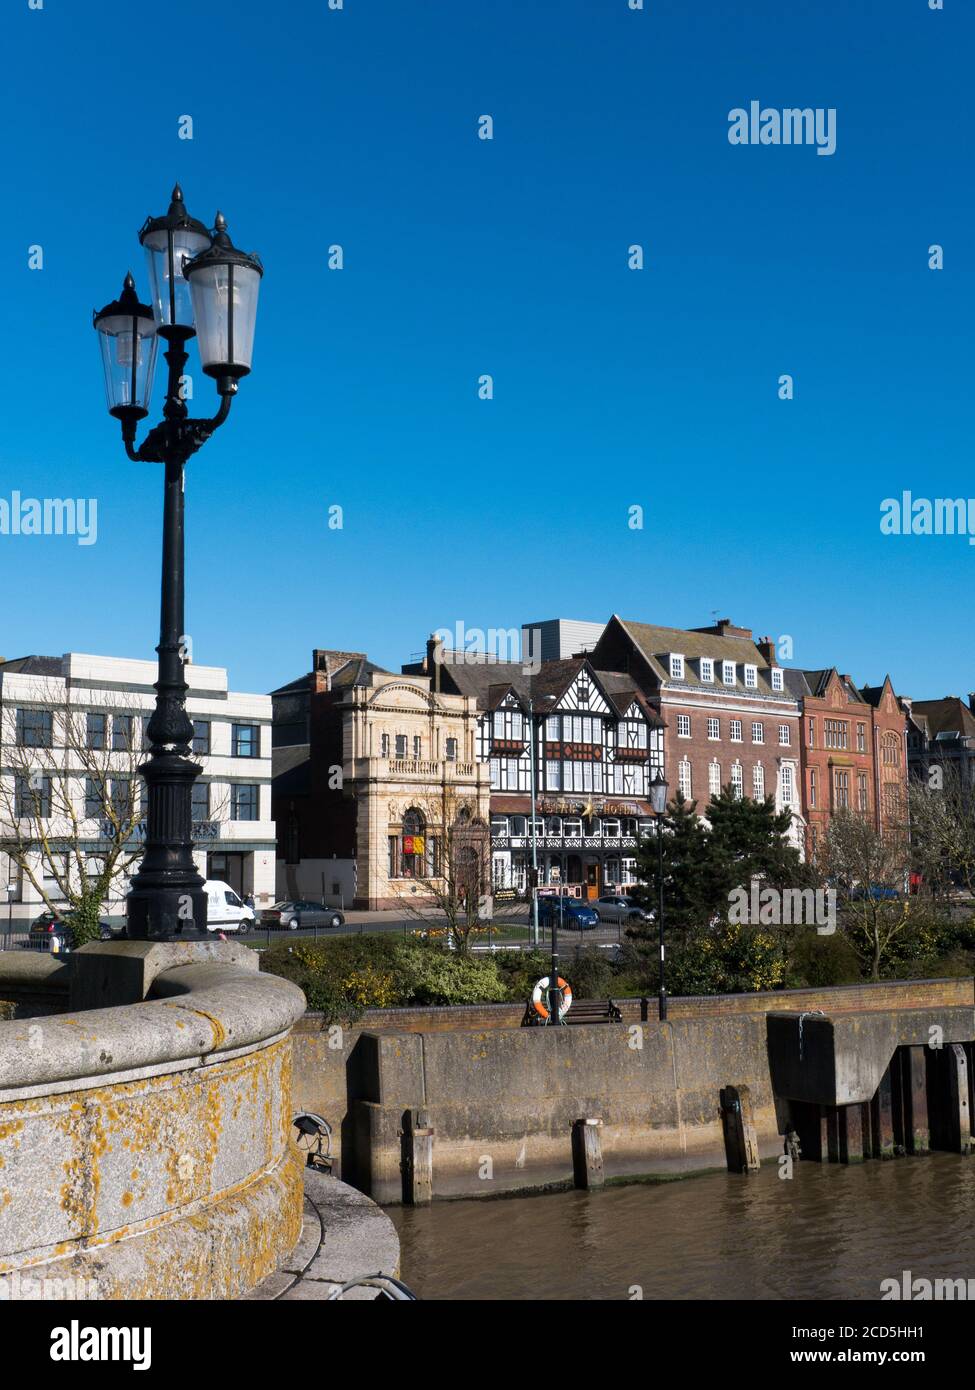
x,y
147,1148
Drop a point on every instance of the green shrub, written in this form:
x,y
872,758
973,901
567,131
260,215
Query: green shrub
x,y
342,977
349,974
929,935
818,961
730,959
519,970
590,974
434,976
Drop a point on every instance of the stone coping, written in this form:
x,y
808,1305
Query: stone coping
x,y
34,970
197,1012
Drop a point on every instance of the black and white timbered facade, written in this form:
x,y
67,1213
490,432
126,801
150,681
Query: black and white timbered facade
x,y
597,744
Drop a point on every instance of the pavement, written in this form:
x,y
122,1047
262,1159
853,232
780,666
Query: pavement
x,y
344,1235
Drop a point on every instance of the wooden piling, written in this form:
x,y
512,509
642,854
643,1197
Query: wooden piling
x,y
831,1134
882,1119
587,1154
866,1120
417,1158
916,1127
851,1137
959,1111
740,1137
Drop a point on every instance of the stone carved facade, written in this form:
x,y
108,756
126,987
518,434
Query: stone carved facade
x,y
373,773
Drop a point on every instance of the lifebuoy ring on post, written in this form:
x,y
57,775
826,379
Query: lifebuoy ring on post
x,y
540,995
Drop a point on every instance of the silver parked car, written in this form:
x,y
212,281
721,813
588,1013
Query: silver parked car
x,y
621,909
294,915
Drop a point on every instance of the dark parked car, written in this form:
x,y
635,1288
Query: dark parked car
x,y
618,908
49,932
293,915
571,913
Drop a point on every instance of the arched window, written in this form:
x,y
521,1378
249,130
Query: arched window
x,y
892,750
414,844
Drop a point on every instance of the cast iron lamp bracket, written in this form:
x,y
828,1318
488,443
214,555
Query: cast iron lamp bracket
x,y
177,437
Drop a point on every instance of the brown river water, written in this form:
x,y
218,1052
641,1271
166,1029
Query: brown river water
x,y
831,1232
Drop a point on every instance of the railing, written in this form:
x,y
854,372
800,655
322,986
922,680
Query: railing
x,y
16,937
564,842
428,769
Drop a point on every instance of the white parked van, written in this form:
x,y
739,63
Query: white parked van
x,y
225,911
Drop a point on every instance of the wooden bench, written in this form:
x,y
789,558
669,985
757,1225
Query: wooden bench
x,y
582,1011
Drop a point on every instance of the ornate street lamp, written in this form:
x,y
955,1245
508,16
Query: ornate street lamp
x,y
170,241
127,332
166,898
658,803
224,284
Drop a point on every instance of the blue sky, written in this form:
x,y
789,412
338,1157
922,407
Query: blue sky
x,y
613,387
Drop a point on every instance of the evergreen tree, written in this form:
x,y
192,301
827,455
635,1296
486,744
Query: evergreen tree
x,y
747,840
703,864
690,891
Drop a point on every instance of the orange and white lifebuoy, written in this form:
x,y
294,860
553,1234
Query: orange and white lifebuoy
x,y
540,995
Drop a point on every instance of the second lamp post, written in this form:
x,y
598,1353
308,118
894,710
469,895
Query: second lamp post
x,y
658,801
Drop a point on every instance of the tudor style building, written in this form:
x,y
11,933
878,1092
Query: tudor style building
x,y
729,716
374,774
597,744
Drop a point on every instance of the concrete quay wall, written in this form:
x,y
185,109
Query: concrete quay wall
x,y
501,1099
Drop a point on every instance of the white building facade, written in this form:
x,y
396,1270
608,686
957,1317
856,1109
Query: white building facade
x,y
110,700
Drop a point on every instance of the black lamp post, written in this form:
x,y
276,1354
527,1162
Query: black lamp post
x,y
201,286
658,801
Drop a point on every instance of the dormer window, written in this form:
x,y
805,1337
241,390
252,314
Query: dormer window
x,y
728,672
676,666
751,677
778,681
707,668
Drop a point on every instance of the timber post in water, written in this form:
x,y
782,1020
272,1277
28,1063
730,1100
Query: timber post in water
x,y
740,1139
587,1154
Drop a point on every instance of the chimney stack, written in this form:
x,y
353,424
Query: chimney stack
x,y
766,647
320,672
434,660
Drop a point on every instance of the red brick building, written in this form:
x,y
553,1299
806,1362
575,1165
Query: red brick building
x,y
729,715
889,754
853,752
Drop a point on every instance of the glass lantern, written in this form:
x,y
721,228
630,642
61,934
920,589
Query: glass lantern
x,y
169,242
224,284
127,333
